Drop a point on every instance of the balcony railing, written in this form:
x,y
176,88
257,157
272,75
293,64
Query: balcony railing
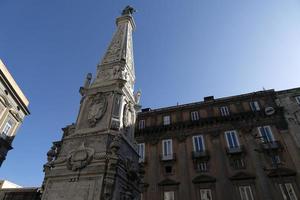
x,y
142,160
271,145
200,154
235,150
167,157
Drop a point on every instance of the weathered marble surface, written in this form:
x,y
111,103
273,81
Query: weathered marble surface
x,y
97,157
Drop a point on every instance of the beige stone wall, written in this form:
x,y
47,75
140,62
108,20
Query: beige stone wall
x,y
13,109
13,83
4,184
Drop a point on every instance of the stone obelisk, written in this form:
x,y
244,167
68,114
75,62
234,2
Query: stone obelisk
x,y
96,158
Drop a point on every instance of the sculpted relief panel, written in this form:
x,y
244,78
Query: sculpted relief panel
x,y
114,50
129,53
65,190
80,157
97,108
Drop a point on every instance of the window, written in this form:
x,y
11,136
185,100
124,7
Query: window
x,y
167,120
254,106
7,128
169,195
198,143
201,166
232,140
246,193
276,160
167,149
142,124
238,163
168,169
194,115
289,190
141,152
224,111
297,99
205,194
266,134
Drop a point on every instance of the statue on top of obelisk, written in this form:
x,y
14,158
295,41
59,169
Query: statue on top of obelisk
x,y
128,10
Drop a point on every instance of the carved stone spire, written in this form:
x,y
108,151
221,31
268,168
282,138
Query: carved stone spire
x,y
96,157
109,102
118,61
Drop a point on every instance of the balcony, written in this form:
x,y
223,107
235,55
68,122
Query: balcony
x,y
235,150
5,142
168,157
143,160
200,155
272,145
4,136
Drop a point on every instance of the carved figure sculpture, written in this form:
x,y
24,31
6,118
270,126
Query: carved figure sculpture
x,y
127,115
128,10
137,97
88,80
51,154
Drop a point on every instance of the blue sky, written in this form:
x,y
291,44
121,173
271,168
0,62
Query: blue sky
x,y
184,50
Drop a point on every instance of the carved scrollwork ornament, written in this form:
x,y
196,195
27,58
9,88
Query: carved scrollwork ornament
x,y
115,145
97,109
132,171
68,130
115,124
80,158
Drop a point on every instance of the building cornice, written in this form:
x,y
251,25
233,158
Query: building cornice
x,y
245,120
13,88
213,102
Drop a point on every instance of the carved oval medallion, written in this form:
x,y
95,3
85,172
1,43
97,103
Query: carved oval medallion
x,y
80,158
97,109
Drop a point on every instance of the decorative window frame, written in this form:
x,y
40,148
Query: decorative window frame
x,y
202,141
297,99
169,185
270,130
287,185
205,182
13,126
166,120
254,105
141,158
195,116
225,111
245,187
142,124
164,155
244,179
236,136
286,179
206,189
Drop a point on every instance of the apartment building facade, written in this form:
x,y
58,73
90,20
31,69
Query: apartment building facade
x,y
236,148
13,109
